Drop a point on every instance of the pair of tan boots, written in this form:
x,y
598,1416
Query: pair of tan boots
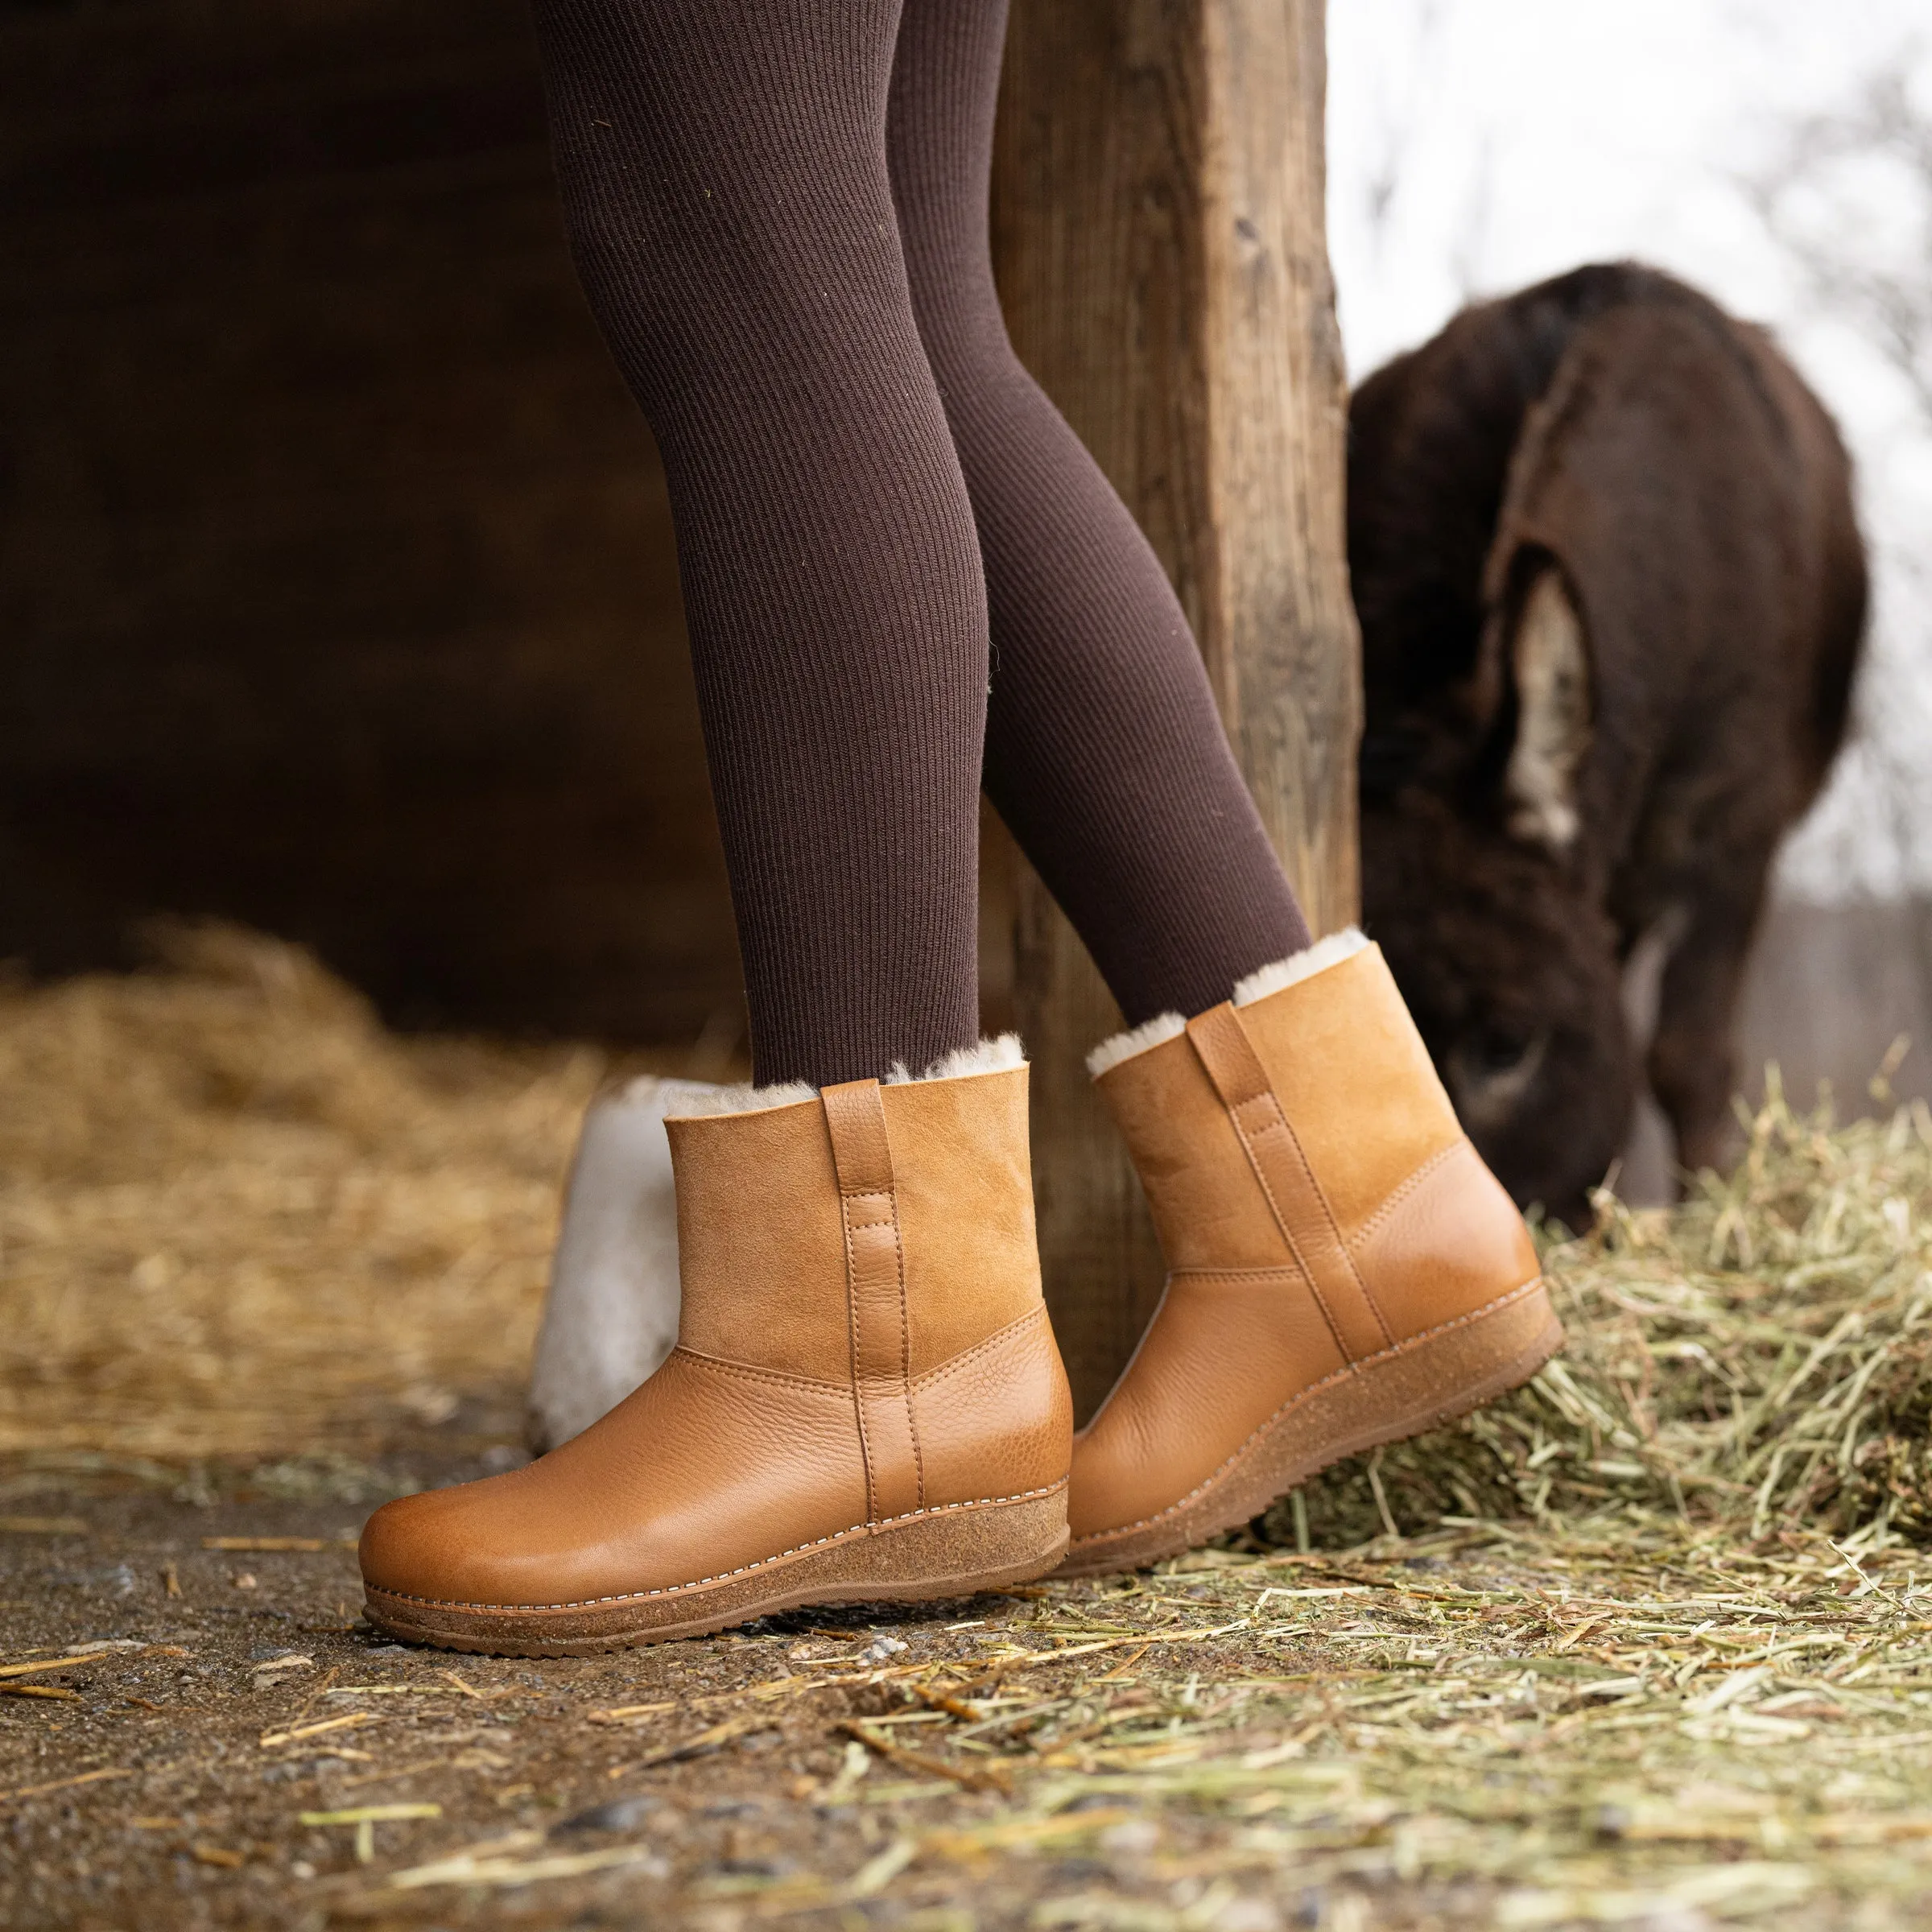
x,y
866,1403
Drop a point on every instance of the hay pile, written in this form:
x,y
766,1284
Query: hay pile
x,y
239,1218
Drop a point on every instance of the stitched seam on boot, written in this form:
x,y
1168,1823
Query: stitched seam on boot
x,y
1401,1193
847,1202
1289,1276
889,1218
1280,1125
1281,1222
912,1418
1301,1395
933,1377
1235,1068
724,1576
725,1365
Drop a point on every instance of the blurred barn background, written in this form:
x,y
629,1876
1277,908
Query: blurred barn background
x,y
336,573
336,583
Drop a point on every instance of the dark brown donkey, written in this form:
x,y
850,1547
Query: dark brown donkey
x,y
1612,595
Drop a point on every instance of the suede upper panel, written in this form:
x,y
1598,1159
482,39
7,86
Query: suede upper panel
x,y
1305,1134
1345,1032
961,1166
762,1241
1208,1209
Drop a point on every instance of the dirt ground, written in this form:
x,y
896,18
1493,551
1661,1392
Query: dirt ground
x,y
1483,1730
216,1695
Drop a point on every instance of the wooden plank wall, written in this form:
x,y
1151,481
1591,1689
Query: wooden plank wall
x,y
337,591
1161,243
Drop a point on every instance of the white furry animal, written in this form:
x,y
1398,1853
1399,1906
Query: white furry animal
x,y
612,1313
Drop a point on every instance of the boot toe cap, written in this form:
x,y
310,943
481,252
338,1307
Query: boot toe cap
x,y
530,1539
411,1547
471,1544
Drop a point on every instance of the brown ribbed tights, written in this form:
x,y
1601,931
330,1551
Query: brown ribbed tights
x,y
779,208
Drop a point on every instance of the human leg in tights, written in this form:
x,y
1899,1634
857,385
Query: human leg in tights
x,y
724,171
1345,1269
1104,753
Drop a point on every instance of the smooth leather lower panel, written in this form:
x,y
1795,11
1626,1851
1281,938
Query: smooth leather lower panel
x,y
1222,1353
996,1420
708,1466
1448,1240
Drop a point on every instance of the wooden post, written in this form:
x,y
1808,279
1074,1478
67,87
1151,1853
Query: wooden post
x,y
1159,236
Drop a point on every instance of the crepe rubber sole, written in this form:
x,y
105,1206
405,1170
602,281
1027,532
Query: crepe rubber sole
x,y
936,1552
1409,1390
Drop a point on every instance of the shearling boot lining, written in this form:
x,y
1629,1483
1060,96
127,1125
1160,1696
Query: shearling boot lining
x,y
743,1100
1162,1027
1263,980
988,1056
1299,966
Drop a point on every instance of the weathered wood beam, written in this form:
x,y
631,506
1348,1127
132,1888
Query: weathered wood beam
x,y
1158,230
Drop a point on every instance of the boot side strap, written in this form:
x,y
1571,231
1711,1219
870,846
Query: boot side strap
x,y
875,1282
1301,1209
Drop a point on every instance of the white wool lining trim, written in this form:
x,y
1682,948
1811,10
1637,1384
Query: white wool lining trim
x,y
741,1099
989,1056
1296,966
1299,966
1156,1032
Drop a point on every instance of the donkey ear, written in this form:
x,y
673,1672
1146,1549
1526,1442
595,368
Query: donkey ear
x,y
1547,658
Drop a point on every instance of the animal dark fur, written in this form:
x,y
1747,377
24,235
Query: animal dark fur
x,y
1617,429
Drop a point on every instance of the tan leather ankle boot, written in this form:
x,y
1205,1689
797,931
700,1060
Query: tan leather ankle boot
x,y
1345,1269
865,1401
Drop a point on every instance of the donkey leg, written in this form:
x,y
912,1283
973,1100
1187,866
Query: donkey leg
x,y
1693,1056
